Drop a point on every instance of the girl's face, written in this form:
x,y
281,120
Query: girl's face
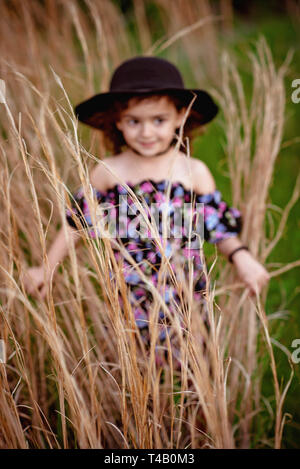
x,y
149,126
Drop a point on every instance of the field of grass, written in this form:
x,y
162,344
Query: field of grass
x,y
63,351
284,292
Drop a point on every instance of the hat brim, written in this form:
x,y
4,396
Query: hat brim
x,y
90,110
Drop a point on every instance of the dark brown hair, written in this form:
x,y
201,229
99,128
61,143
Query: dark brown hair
x,y
113,137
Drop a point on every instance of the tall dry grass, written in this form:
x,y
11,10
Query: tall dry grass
x,y
76,374
254,135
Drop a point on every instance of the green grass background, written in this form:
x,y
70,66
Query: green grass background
x,y
284,291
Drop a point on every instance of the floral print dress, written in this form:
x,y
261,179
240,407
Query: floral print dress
x,y
191,217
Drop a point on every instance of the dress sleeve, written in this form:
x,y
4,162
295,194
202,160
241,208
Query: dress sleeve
x,y
79,215
220,220
79,210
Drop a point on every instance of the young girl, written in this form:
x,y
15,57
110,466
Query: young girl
x,y
141,117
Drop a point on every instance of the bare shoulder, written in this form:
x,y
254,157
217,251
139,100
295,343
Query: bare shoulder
x,y
204,182
101,177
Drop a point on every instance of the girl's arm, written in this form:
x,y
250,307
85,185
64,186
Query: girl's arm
x,y
248,268
59,247
228,245
36,279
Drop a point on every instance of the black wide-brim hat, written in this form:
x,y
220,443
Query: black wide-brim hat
x,y
146,75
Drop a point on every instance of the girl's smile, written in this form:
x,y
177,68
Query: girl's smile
x,y
149,126
147,144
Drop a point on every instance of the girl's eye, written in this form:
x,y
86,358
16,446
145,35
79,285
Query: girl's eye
x,y
132,122
158,120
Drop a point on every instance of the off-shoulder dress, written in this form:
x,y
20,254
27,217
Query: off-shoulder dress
x,y
212,220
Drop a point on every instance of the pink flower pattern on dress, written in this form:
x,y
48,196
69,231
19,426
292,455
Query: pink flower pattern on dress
x,y
220,222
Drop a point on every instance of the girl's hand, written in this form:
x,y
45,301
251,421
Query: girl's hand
x,y
250,271
34,280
